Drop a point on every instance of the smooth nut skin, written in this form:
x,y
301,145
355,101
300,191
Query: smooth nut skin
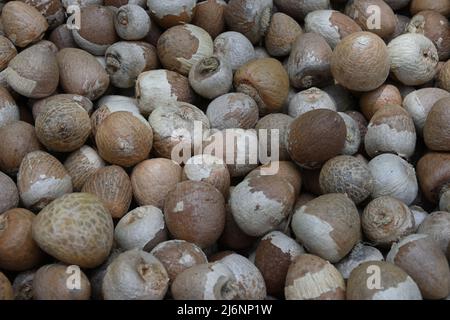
x,y
312,278
328,226
195,212
63,127
436,131
124,140
349,175
373,101
152,180
360,62
6,290
76,229
51,283
22,23
18,250
433,173
210,16
302,138
9,194
112,186
420,256
386,220
274,254
396,284
300,9
282,32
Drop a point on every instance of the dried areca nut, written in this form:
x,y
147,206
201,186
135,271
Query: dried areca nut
x,y
353,137
82,164
211,77
266,81
386,220
23,24
51,281
94,18
178,256
362,11
349,175
281,34
63,127
433,172
34,72
135,275
395,283
441,6
274,127
300,9
195,212
419,103
371,102
180,47
208,281
42,105
6,290
210,16
443,77
342,97
7,52
414,59
360,62
331,25
22,136
302,138
312,278
41,179
209,169
174,132
112,186
9,195
18,250
274,254
360,254
23,285
437,226
437,126
400,26
249,17
328,226
310,99
420,256
260,203
248,277
81,73
171,13
9,111
125,61
233,110
309,62
152,180
132,22
62,37
142,228
123,139
393,177
235,48
52,10
391,130
89,239
161,88
434,26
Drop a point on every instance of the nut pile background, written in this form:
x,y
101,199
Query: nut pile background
x,y
92,205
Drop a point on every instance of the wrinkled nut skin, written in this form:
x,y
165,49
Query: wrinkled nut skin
x,y
302,138
312,278
195,212
76,229
18,250
396,284
360,62
51,283
171,13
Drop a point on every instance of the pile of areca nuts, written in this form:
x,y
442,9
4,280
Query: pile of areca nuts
x,y
241,149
